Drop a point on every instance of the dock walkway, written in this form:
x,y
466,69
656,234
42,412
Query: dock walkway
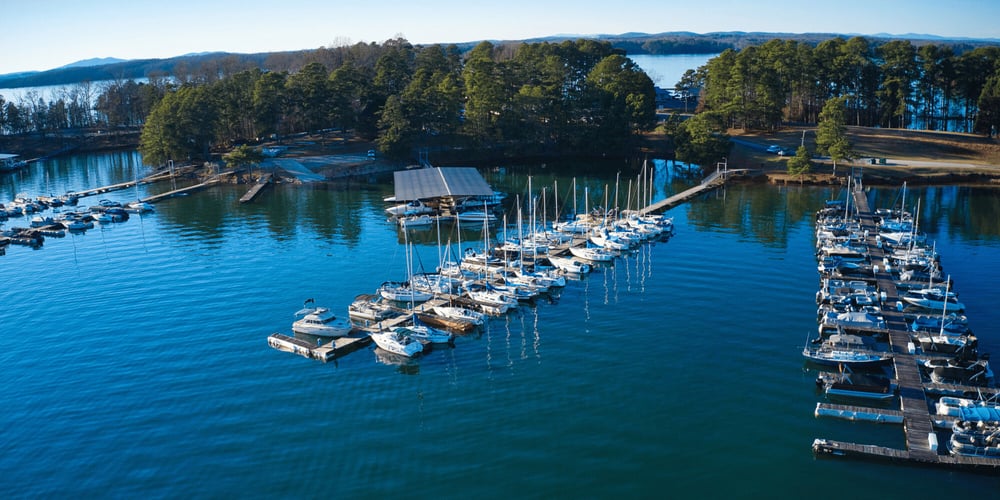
x,y
713,181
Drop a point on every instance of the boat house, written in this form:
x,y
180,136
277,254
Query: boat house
x,y
444,188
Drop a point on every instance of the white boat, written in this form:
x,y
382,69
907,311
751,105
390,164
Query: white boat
x,y
568,265
415,207
436,283
490,298
422,220
854,319
403,292
460,313
843,349
368,307
592,254
138,207
972,410
396,343
604,239
952,323
475,217
321,322
935,299
945,343
78,225
976,439
425,333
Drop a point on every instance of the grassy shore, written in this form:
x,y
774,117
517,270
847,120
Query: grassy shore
x,y
917,157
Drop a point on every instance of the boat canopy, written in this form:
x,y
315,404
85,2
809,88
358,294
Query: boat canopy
x,y
435,182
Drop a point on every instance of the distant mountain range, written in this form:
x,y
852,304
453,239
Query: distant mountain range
x,y
678,42
99,61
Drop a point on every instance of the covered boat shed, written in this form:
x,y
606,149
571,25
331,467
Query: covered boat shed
x,y
436,182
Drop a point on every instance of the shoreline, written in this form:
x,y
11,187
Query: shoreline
x,y
343,157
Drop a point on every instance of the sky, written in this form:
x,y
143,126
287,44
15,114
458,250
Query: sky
x,y
38,35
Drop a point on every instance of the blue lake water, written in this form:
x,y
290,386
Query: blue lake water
x,y
136,362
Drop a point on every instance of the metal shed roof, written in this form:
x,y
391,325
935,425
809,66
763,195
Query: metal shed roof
x,y
436,182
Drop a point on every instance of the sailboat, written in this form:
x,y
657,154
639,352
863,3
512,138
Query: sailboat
x,y
404,291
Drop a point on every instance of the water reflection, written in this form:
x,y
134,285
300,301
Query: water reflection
x,y
403,364
341,213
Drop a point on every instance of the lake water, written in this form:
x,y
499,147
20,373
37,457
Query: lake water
x,y
666,71
136,362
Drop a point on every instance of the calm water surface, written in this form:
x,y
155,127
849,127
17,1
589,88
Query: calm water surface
x,y
136,359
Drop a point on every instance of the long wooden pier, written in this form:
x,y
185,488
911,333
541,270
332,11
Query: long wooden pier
x,y
181,191
918,425
713,181
121,185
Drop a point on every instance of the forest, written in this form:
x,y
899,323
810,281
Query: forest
x,y
579,97
893,84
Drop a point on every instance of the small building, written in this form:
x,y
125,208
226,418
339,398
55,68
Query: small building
x,y
9,162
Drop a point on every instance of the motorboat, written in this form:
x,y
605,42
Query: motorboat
x,y
972,410
959,371
425,333
490,298
367,307
847,384
954,324
460,313
321,322
854,319
415,207
977,439
945,343
568,265
410,221
593,254
397,343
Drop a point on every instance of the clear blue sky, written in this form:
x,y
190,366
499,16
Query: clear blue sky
x,y
44,34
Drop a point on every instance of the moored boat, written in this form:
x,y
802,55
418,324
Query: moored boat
x,y
976,439
397,343
847,384
843,349
320,321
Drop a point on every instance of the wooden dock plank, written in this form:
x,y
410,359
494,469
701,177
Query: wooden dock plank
x,y
259,186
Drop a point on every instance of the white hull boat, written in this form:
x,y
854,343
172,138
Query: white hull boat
x,y
397,343
321,322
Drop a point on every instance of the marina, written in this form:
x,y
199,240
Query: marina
x,y
170,374
490,282
914,393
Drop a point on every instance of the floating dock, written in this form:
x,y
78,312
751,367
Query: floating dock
x,y
323,352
